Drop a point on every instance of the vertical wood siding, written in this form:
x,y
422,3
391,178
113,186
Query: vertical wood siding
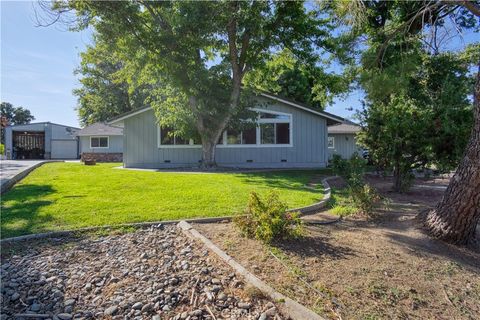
x,y
309,145
344,145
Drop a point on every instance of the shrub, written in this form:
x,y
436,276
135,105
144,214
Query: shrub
x,y
268,220
2,148
363,195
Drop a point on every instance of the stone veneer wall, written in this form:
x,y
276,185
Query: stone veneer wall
x,y
103,157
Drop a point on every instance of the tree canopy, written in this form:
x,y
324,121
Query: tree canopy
x,y
287,76
104,92
13,116
201,51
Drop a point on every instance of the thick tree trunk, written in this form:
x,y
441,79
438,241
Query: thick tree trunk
x,y
208,155
456,216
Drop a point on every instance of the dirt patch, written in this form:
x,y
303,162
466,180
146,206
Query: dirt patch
x,y
360,269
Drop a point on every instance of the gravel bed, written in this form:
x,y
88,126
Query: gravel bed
x,y
156,273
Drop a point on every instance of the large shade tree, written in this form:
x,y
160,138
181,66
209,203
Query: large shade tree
x,y
455,217
201,51
104,91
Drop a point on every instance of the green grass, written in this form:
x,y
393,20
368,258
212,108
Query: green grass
x,y
341,203
59,196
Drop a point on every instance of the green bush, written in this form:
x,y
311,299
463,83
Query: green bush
x,y
268,219
2,148
363,195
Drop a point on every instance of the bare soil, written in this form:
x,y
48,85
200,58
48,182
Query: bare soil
x,y
387,268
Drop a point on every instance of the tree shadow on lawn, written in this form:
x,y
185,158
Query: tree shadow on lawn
x,y
23,217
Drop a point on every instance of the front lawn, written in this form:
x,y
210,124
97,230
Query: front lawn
x,y
60,196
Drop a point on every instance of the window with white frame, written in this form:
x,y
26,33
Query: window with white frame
x,y
167,138
273,128
98,142
331,142
246,136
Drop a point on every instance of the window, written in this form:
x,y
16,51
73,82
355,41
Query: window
x,y
267,133
249,136
282,133
98,142
167,138
235,137
265,115
275,128
331,142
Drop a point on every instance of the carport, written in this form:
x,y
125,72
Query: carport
x,y
43,140
29,144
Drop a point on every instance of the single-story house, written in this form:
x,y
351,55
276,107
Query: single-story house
x,y
342,141
42,140
101,142
288,135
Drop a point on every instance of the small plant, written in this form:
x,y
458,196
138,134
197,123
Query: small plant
x,y
267,220
343,211
362,194
364,197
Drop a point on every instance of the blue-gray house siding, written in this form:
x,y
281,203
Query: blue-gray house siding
x,y
307,149
115,145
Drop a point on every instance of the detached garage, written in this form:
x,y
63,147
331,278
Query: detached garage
x,y
43,140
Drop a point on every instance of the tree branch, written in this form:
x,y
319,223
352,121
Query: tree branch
x,y
469,5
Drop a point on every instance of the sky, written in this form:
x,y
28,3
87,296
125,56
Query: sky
x,y
37,65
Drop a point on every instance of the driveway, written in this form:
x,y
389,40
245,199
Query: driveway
x,y
11,168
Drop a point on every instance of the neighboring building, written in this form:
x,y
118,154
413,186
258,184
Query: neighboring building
x,y
101,142
341,139
43,140
288,135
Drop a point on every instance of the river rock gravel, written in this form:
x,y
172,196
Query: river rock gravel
x,y
156,273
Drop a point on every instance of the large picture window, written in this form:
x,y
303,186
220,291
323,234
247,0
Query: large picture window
x,y
273,129
236,137
98,142
168,139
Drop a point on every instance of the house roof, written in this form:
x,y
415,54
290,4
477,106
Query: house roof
x,y
331,118
128,114
43,122
345,127
100,129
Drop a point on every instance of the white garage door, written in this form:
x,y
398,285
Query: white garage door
x,y
64,149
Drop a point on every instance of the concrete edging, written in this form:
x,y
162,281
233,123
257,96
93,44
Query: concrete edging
x,y
288,306
303,210
19,176
319,205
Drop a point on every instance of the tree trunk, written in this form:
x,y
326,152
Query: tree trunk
x,y
208,155
397,178
456,216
